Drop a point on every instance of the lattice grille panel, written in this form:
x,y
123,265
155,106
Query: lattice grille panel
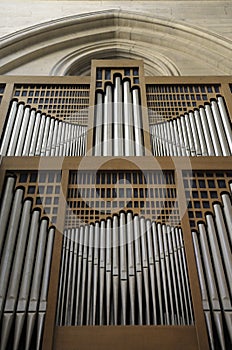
x,y
43,187
66,102
168,101
202,189
95,196
104,75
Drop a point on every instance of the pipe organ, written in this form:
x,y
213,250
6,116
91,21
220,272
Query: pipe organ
x,y
125,271
116,211
203,132
31,133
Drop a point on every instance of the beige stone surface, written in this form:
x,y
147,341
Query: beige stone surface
x,y
189,56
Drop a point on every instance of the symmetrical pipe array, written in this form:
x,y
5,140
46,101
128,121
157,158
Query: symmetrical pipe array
x,y
204,132
118,121
31,133
124,270
212,245
26,244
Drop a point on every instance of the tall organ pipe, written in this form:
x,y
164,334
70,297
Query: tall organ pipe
x,y
15,130
190,134
40,135
195,134
118,121
28,138
213,131
98,125
5,209
220,129
8,249
201,134
207,132
50,136
35,133
107,122
227,210
180,133
22,133
9,126
137,123
54,138
128,121
185,135
226,121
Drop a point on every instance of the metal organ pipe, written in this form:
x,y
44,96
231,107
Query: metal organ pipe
x,y
9,127
185,135
226,121
207,132
204,294
118,118
28,138
220,129
48,148
136,264
15,130
224,241
180,133
54,138
98,125
40,135
227,210
22,133
128,121
195,134
213,131
107,122
201,132
5,209
34,137
137,123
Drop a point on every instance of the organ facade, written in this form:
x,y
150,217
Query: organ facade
x,y
115,222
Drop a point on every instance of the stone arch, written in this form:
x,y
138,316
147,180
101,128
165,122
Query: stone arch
x,y
68,42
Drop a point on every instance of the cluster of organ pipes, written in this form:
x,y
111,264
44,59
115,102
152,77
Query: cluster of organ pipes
x,y
26,244
118,121
203,132
31,133
124,270
212,245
